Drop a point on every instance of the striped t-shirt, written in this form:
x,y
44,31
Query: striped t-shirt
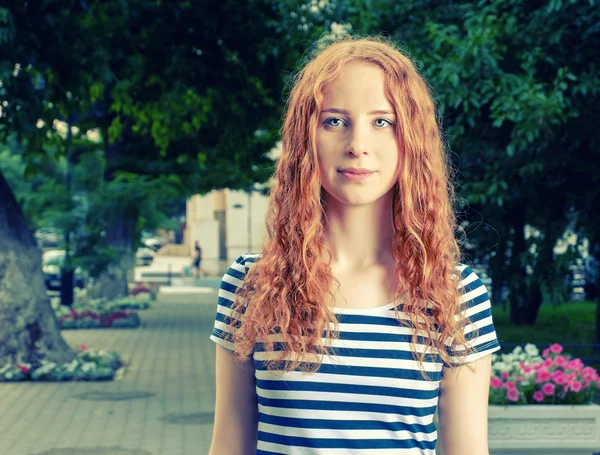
x,y
370,396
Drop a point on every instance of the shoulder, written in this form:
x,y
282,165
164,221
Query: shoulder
x,y
472,290
237,270
468,278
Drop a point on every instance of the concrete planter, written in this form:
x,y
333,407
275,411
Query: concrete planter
x,y
544,429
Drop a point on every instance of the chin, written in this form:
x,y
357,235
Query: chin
x,y
353,199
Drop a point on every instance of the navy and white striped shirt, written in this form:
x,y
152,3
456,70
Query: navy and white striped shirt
x,y
369,396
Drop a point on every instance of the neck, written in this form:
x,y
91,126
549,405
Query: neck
x,y
359,236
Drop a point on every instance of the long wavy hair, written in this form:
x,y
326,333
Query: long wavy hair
x,y
283,293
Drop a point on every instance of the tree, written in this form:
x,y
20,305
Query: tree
x,y
517,88
175,94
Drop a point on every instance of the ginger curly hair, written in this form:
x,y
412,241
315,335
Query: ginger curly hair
x,y
285,289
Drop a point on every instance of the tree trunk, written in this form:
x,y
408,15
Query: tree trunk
x,y
595,252
532,304
517,285
29,330
113,283
597,334
497,270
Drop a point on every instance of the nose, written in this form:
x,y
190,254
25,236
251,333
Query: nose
x,y
358,141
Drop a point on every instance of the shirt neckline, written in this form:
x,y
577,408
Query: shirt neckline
x,y
367,311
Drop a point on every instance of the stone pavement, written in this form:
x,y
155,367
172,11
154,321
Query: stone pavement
x,y
163,405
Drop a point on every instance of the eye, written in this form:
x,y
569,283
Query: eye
x,y
334,122
383,123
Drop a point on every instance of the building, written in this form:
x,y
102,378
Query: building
x,y
226,223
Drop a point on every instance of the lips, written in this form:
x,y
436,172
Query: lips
x,y
355,171
353,175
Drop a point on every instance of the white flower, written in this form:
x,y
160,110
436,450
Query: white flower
x,y
340,29
502,366
518,350
532,350
87,367
72,366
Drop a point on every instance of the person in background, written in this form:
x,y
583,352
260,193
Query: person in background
x,y
197,259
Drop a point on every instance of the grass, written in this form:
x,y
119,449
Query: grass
x,y
571,323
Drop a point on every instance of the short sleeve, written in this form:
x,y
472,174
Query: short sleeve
x,y
479,331
232,280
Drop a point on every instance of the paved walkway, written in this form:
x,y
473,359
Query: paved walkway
x,y
163,405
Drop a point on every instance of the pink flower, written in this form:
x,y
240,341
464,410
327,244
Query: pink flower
x,y
496,383
590,373
83,347
504,374
571,377
543,375
24,368
548,363
575,386
558,377
525,368
556,348
560,361
546,352
538,396
512,395
575,364
510,385
549,389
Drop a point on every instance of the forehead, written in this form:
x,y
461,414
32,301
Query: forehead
x,y
359,84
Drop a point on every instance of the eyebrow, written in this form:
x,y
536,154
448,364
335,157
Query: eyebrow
x,y
334,110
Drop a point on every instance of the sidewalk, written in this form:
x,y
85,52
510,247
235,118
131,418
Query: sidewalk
x,y
162,406
164,268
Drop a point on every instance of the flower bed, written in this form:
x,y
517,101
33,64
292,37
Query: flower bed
x,y
95,314
139,302
143,289
526,377
89,365
89,320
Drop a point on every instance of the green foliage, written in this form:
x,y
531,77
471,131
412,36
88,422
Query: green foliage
x,y
571,323
82,207
183,105
517,85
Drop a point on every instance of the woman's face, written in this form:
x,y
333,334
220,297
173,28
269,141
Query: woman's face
x,y
356,144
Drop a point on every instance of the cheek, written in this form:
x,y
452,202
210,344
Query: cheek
x,y
325,154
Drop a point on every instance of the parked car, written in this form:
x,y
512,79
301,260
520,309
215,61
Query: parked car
x,y
153,243
144,256
52,265
47,237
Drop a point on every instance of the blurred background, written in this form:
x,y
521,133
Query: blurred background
x,y
130,130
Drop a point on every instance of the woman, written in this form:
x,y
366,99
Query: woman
x,y
357,321
197,258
